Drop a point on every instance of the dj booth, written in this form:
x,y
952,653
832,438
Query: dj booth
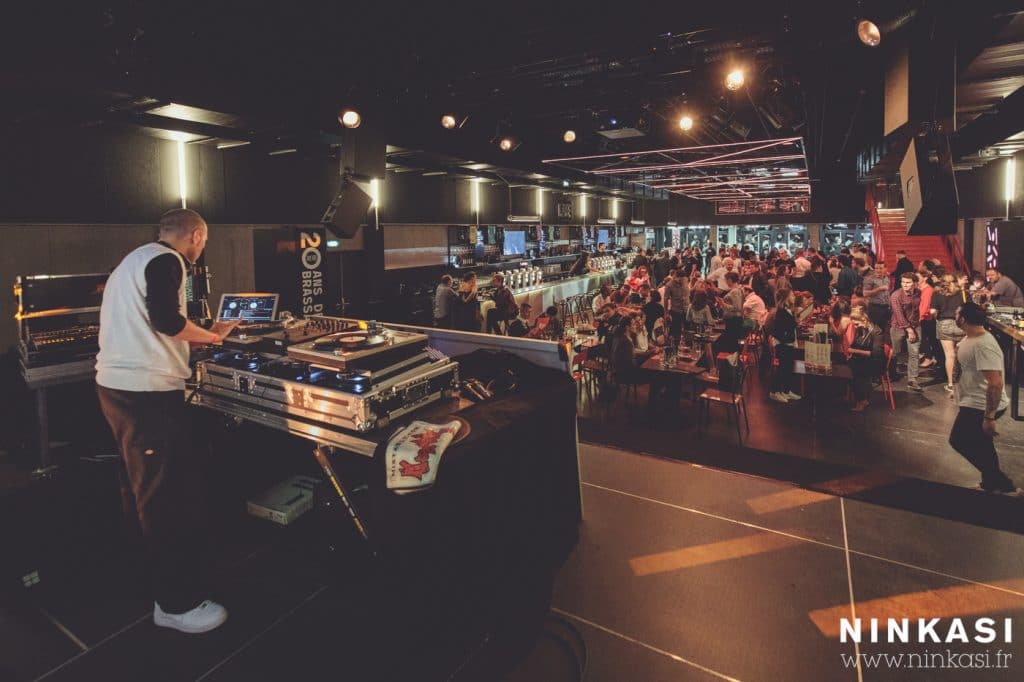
x,y
474,554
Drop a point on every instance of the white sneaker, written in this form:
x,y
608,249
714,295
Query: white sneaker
x,y
207,616
792,396
778,397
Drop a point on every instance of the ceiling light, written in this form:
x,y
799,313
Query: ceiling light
x,y
734,81
686,123
569,136
565,183
613,121
350,118
508,143
452,121
868,33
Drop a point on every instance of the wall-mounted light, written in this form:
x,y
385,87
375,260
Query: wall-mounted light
x,y
375,192
181,173
583,206
1011,181
615,209
476,196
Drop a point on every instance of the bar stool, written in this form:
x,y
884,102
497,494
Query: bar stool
x,y
575,311
564,310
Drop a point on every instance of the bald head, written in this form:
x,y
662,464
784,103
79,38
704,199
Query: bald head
x,y
180,223
185,230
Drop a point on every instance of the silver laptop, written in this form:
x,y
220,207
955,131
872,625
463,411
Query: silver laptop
x,y
248,308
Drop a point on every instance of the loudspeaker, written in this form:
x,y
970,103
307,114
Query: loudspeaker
x,y
348,210
929,186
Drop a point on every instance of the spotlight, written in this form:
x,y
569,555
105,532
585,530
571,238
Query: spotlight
x,y
569,136
686,123
350,118
734,81
613,121
565,183
508,143
868,33
452,121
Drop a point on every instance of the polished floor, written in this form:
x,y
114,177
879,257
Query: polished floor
x,y
682,572
895,457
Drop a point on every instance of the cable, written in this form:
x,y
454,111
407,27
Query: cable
x,y
581,655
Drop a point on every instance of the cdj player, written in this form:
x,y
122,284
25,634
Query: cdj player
x,y
354,376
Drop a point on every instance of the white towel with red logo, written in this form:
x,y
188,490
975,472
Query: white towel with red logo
x,y
414,453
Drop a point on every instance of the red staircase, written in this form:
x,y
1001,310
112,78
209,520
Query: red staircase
x,y
892,233
890,236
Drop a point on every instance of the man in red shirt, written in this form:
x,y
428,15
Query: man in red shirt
x,y
906,324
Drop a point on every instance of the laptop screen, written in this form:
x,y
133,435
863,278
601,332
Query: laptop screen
x,y
249,308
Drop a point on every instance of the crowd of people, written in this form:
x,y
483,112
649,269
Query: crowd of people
x,y
921,314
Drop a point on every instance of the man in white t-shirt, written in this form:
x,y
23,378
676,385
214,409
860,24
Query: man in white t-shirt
x,y
718,275
716,261
981,395
754,310
141,370
803,266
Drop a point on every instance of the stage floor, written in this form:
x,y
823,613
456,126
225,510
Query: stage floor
x,y
682,572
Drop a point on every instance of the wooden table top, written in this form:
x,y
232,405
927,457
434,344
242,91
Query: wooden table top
x,y
685,367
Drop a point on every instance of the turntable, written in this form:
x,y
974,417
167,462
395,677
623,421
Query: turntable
x,y
349,341
371,349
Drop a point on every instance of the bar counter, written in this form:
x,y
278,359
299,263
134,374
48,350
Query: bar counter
x,y
1003,326
543,295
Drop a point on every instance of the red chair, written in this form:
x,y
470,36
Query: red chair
x,y
886,381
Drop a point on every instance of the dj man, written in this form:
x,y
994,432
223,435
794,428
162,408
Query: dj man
x,y
140,375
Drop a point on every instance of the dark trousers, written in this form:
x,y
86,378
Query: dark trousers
x,y
678,318
163,482
969,440
783,380
929,341
494,318
880,314
865,370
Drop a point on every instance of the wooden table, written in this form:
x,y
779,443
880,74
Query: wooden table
x,y
838,372
671,376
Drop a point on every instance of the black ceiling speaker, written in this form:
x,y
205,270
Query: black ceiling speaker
x,y
929,186
348,210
